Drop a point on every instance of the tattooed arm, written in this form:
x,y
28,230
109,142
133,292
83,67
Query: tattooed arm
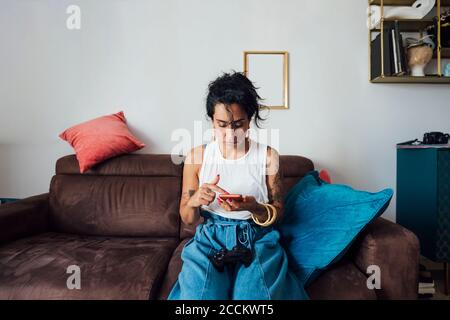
x,y
190,214
274,181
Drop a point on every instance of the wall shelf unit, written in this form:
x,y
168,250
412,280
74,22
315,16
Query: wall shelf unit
x,y
408,25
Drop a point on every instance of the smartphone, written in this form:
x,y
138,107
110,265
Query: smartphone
x,y
225,196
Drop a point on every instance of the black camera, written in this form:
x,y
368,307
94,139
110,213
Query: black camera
x,y
225,257
435,138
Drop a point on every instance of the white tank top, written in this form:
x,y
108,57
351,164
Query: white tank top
x,y
245,175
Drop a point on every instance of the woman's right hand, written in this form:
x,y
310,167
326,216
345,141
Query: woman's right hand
x,y
205,194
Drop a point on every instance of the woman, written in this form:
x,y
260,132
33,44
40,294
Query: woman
x,y
235,253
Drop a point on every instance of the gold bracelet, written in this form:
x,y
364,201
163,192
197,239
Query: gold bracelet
x,y
270,216
263,224
274,213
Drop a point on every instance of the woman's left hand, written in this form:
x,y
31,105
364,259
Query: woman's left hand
x,y
247,203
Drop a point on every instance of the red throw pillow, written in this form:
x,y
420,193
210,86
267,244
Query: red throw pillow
x,y
325,176
101,138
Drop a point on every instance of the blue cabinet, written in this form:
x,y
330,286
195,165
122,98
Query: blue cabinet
x,y
423,198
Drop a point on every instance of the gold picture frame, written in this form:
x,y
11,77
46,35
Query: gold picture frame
x,y
277,91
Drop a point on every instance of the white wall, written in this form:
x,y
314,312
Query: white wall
x,y
154,59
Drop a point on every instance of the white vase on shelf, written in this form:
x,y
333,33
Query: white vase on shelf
x,y
418,58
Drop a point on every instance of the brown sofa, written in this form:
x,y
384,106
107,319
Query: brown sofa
x,y
120,224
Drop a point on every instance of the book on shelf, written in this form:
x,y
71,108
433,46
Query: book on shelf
x,y
427,290
394,52
426,284
394,55
376,54
400,50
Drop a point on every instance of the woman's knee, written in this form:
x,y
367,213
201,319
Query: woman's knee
x,y
199,280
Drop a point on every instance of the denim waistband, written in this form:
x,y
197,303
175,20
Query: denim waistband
x,y
223,220
246,230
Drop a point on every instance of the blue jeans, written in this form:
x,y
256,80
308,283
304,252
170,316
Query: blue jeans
x,y
266,278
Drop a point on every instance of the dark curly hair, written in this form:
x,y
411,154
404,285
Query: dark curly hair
x,y
231,88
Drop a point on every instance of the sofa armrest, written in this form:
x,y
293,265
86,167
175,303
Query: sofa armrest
x,y
23,218
396,250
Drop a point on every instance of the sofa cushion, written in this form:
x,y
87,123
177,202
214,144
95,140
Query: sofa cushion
x,y
115,205
131,195
110,268
173,269
322,220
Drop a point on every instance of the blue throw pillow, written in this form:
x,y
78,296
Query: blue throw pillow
x,y
322,220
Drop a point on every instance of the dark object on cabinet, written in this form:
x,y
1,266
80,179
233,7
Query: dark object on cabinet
x,y
435,138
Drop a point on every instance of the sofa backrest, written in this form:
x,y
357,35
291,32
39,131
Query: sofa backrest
x,y
129,195
294,168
